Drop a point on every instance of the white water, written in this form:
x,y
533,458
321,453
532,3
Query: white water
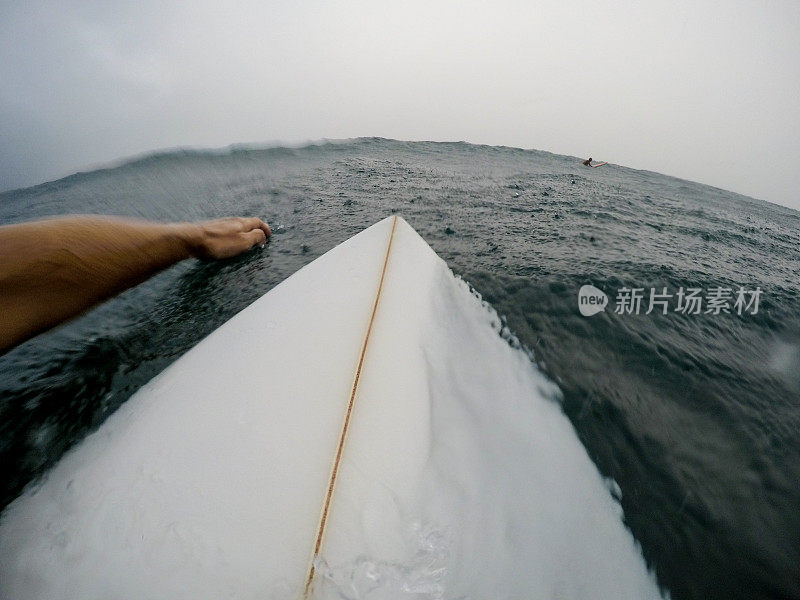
x,y
461,477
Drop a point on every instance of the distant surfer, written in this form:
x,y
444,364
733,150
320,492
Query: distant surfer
x,y
588,163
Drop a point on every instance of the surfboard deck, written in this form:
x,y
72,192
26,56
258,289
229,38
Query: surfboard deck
x,y
599,165
360,431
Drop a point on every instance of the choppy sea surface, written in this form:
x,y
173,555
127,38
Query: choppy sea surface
x,y
696,415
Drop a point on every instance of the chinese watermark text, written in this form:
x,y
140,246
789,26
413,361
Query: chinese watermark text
x,y
687,301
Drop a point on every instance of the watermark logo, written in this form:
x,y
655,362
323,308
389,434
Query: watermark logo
x,y
687,301
591,300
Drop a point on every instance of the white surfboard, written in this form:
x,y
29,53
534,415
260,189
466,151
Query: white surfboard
x,y
361,431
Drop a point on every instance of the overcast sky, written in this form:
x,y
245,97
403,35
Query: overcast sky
x,y
708,91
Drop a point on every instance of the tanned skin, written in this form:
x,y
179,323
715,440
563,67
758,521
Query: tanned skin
x,y
55,269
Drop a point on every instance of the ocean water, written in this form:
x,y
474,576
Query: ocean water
x,y
695,416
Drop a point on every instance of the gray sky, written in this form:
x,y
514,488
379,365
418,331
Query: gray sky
x,y
708,91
